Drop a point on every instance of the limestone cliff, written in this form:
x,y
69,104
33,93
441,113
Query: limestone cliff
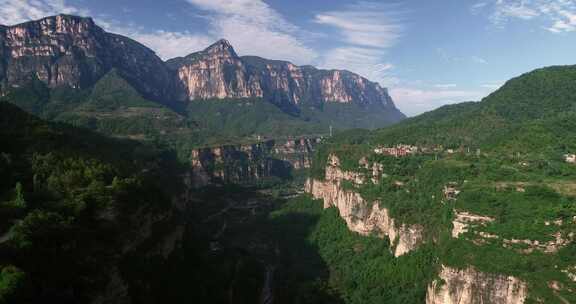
x,y
218,72
362,216
244,164
73,51
469,286
70,51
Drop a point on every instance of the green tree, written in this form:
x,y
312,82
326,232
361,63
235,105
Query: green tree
x,y
19,201
12,283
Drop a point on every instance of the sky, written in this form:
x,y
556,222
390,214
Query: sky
x,y
426,52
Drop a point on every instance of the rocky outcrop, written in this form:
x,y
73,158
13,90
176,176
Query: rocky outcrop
x,y
218,72
298,152
360,215
73,51
245,164
463,220
469,286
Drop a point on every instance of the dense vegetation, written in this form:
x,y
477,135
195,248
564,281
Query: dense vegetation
x,y
67,201
68,197
358,269
508,163
113,107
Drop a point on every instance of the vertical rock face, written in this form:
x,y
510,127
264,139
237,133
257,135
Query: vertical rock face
x,y
360,215
217,72
72,51
243,164
469,286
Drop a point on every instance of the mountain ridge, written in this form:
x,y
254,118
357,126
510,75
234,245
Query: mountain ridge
x,y
66,50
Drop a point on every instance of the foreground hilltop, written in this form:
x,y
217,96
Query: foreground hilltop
x,y
63,62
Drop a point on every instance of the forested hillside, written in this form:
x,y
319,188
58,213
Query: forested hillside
x,y
489,184
72,203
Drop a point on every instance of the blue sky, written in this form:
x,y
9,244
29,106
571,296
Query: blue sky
x,y
428,53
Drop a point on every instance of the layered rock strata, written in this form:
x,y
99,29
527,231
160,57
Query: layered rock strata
x,y
469,286
362,216
244,164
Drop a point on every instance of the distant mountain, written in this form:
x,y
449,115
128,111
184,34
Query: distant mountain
x,y
533,99
73,51
70,56
218,72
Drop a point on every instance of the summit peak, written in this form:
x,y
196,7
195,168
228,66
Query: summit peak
x,y
221,46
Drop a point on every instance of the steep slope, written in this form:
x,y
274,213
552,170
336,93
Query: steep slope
x,y
73,51
530,98
65,68
487,183
75,207
219,73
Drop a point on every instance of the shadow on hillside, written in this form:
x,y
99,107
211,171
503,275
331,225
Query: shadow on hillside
x,y
302,273
234,254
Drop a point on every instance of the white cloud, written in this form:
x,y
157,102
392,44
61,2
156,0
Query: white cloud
x,y
413,101
254,28
479,60
446,56
445,85
365,31
364,61
492,86
365,24
172,44
559,15
18,11
166,44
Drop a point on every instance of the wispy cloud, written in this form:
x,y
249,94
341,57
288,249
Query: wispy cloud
x,y
492,85
170,44
14,12
448,57
445,85
255,28
365,31
557,15
166,44
252,26
479,60
368,24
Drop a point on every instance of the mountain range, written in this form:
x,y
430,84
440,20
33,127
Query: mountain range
x,y
63,56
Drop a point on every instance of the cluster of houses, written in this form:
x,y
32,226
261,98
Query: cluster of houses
x,y
397,151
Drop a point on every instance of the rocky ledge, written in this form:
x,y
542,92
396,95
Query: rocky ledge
x,y
249,163
360,215
455,286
